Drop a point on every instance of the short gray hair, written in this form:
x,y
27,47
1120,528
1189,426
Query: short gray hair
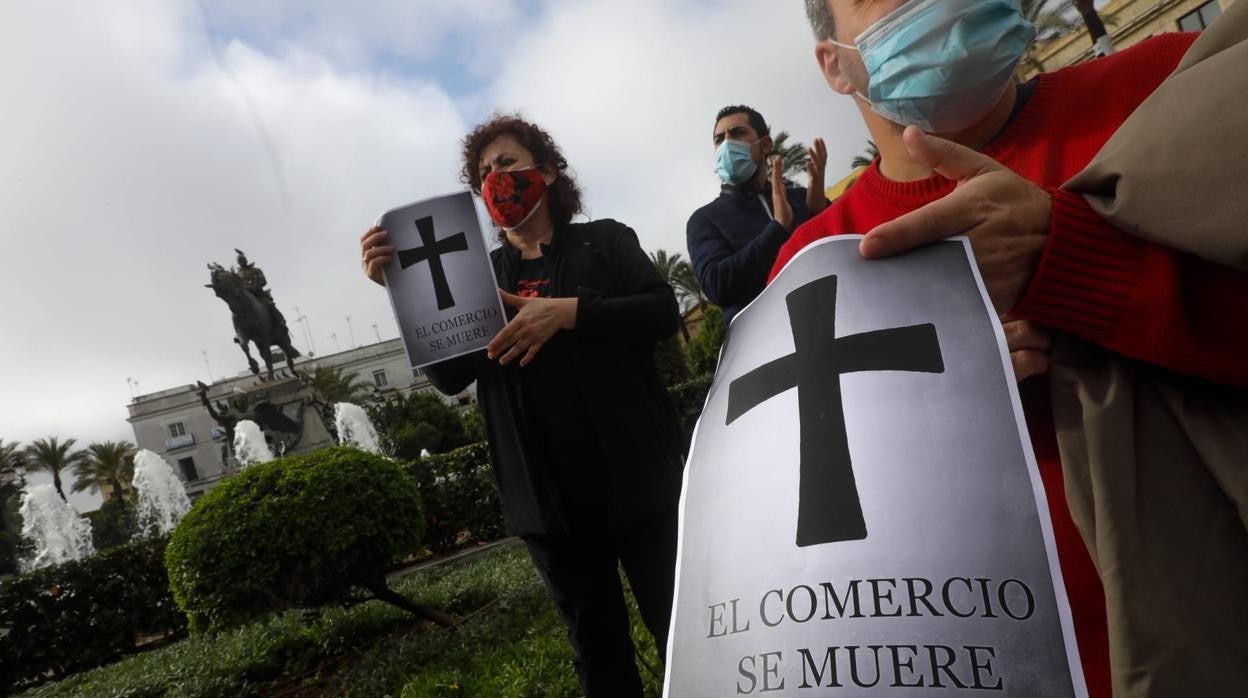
x,y
820,17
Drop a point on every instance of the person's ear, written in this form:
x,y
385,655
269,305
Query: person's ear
x,y
828,56
767,146
549,174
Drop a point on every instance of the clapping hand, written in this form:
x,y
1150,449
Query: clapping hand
x,y
816,165
780,208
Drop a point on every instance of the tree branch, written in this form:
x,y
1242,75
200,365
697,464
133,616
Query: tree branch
x,y
384,593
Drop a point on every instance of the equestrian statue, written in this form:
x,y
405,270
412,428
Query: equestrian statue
x,y
256,317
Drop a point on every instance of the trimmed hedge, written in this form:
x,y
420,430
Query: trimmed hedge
x,y
513,643
299,531
461,495
81,614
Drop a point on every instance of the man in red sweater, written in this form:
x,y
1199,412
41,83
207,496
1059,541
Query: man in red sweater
x,y
994,174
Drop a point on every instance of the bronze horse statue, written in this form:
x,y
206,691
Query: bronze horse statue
x,y
256,317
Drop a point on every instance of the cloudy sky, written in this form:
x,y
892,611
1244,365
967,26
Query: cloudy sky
x,y
141,140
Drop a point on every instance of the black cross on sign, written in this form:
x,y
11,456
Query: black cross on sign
x,y
828,509
432,251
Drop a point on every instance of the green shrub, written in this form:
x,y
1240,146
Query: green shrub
x,y
669,361
474,424
113,524
513,644
704,349
299,531
81,614
420,420
460,494
690,397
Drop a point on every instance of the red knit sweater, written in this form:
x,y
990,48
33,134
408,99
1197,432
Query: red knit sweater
x,y
1135,298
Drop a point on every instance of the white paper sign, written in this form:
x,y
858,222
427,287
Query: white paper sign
x,y
862,513
441,282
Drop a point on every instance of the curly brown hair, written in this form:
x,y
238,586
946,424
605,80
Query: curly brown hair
x,y
563,198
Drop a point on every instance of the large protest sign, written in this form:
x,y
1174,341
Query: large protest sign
x,y
441,282
862,513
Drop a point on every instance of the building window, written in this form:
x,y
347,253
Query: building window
x,y
176,429
379,378
188,469
1201,17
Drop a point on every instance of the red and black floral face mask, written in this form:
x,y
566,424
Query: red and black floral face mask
x,y
512,196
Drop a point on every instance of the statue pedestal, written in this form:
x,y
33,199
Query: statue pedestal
x,y
289,412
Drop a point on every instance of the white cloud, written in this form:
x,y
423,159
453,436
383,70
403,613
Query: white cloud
x,y
130,158
133,160
360,34
630,91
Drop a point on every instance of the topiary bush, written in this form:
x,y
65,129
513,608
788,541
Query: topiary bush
x,y
462,503
299,531
81,614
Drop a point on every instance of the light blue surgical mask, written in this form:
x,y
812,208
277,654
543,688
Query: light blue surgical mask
x,y
942,64
734,163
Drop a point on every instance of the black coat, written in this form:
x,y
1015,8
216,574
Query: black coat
x,y
624,309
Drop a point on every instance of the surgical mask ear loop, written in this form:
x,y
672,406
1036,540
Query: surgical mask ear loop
x,y
857,94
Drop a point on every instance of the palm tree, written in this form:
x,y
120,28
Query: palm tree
x,y
334,386
1052,19
792,155
685,281
872,152
1096,26
105,462
9,454
678,274
10,522
53,455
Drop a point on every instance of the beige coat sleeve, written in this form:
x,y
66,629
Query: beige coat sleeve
x,y
1176,172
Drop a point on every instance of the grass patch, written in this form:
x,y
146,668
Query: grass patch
x,y
516,647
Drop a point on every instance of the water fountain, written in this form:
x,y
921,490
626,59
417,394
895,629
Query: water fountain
x,y
249,444
355,428
162,498
58,532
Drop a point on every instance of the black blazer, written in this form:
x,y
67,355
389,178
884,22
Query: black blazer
x,y
624,309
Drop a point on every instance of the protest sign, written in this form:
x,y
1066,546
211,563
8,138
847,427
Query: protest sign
x,y
862,513
441,282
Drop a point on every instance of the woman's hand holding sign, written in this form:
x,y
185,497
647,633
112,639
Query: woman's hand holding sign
x,y
375,254
538,320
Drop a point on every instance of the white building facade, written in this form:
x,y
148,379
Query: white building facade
x,y
174,423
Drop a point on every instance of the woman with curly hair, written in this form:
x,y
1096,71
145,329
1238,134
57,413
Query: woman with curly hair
x,y
584,438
